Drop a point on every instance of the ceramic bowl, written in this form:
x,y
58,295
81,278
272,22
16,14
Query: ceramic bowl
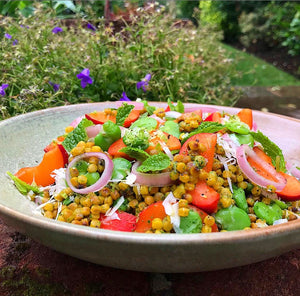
x,y
22,140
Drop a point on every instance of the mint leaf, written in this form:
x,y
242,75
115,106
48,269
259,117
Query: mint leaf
x,y
135,153
77,135
179,107
270,148
205,127
122,113
157,162
22,186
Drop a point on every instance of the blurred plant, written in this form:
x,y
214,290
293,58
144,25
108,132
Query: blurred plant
x,y
185,64
276,24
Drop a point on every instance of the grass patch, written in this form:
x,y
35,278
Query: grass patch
x,y
256,72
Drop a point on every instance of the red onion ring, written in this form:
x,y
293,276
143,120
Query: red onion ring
x,y
105,176
158,119
293,170
158,180
243,163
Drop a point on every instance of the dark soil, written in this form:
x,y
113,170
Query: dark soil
x,y
277,56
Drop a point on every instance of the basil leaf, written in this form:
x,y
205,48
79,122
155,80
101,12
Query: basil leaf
x,y
77,135
270,148
135,153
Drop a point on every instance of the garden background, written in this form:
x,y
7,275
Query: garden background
x,y
212,52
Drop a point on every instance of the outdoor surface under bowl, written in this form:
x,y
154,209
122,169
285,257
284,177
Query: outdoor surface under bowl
x,y
22,140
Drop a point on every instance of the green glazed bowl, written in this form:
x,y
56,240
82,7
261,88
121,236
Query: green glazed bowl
x,y
22,140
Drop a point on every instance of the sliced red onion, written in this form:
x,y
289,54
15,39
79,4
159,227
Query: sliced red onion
x,y
293,170
93,130
76,121
254,126
173,114
137,105
103,180
246,168
158,180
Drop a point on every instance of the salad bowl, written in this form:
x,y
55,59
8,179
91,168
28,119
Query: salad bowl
x,y
22,140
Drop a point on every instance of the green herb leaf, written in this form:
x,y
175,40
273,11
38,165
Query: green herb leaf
x,y
22,186
77,135
171,127
123,112
67,201
149,109
270,148
205,127
135,153
179,107
157,162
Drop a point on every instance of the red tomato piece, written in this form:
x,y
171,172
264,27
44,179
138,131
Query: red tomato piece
x,y
203,214
210,141
205,197
132,117
127,222
291,191
100,117
245,115
215,117
155,210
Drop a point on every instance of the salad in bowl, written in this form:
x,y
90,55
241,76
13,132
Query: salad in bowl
x,y
140,168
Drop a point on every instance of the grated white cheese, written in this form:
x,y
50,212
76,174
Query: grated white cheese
x,y
60,181
280,221
112,211
171,208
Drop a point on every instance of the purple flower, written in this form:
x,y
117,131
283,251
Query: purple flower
x,y
124,97
55,86
6,35
57,30
15,42
144,83
85,77
2,88
91,27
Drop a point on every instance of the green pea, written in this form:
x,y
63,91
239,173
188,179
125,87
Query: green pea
x,y
269,213
191,223
92,178
232,218
147,123
239,197
121,168
171,127
81,166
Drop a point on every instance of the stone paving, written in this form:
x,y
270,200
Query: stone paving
x,y
29,268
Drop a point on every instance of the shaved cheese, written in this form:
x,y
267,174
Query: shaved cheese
x,y
113,210
60,182
280,221
171,208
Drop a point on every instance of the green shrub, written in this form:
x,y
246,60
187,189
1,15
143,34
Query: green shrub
x,y
186,64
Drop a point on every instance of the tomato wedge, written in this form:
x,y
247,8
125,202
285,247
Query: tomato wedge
x,y
126,222
41,174
210,141
100,117
291,191
155,210
132,117
215,117
205,197
114,148
246,116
